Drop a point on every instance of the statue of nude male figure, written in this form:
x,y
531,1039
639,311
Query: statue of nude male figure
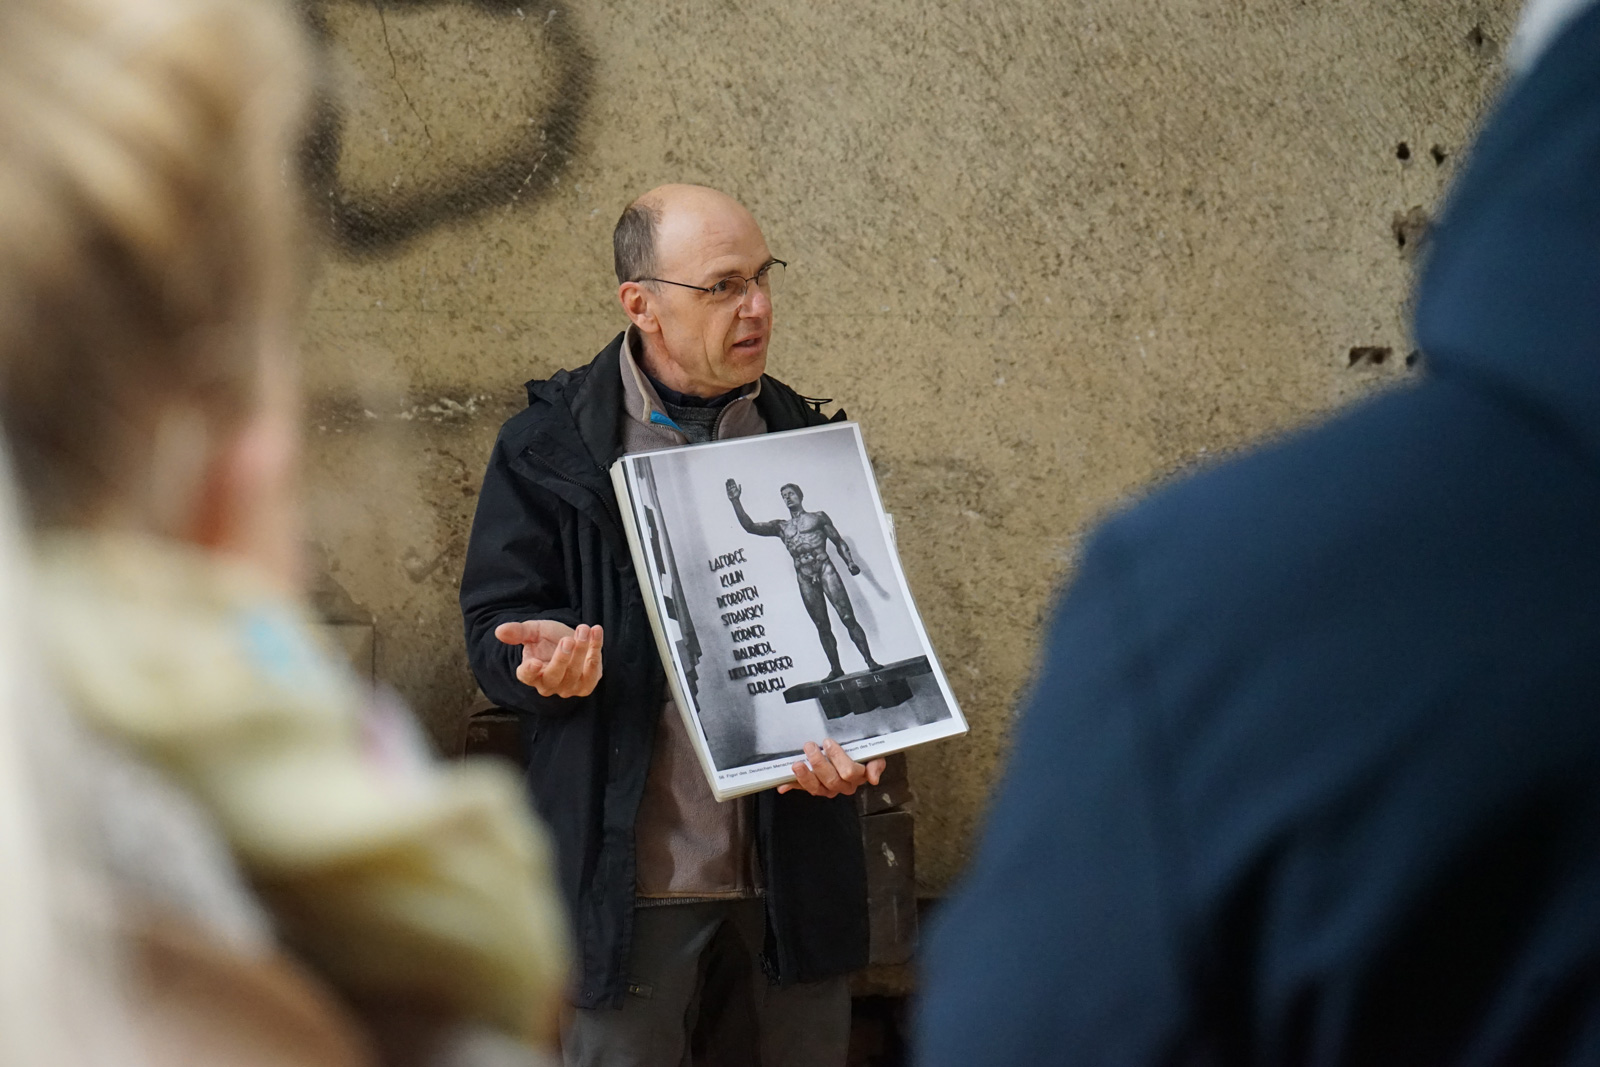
x,y
806,535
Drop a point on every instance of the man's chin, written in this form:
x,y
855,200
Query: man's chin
x,y
749,360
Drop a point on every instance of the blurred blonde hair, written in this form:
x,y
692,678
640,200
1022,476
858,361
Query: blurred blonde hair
x,y
148,236
150,227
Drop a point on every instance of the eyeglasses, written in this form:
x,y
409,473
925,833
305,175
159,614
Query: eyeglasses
x,y
732,290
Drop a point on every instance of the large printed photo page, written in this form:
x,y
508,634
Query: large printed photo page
x,y
778,602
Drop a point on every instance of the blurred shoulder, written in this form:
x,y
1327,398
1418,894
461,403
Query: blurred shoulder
x,y
1410,465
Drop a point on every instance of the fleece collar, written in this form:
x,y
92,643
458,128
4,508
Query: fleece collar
x,y
644,404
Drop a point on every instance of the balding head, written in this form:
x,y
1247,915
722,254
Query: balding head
x,y
666,215
673,241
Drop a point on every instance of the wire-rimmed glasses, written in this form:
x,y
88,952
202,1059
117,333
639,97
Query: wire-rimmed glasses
x,y
732,289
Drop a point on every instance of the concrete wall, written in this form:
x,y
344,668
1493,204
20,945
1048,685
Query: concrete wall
x,y
1044,251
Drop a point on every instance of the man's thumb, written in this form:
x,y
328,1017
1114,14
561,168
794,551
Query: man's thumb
x,y
515,633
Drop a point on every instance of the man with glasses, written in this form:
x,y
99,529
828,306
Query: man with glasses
x,y
733,924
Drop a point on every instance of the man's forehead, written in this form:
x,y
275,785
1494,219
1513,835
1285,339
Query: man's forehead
x,y
711,238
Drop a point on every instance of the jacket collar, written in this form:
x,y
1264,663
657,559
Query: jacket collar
x,y
639,397
580,417
581,411
643,401
1510,298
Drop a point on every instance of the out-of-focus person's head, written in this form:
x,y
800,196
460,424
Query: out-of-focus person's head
x,y
671,246
149,238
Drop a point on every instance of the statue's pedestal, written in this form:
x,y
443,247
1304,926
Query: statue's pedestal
x,y
853,694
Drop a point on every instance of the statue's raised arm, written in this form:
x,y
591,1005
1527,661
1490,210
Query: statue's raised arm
x,y
760,529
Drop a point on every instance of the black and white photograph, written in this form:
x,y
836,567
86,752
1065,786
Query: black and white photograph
x,y
779,603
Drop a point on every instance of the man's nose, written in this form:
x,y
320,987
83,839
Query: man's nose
x,y
757,302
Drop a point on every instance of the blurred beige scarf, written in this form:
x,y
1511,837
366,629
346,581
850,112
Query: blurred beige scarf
x,y
404,881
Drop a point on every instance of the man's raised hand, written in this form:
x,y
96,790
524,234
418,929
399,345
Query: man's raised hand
x,y
829,771
734,490
557,660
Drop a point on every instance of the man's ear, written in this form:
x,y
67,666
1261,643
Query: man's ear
x,y
638,303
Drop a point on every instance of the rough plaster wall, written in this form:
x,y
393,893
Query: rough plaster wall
x,y
1044,252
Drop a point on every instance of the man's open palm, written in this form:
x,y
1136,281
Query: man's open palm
x,y
557,660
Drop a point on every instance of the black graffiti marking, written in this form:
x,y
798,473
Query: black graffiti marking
x,y
364,224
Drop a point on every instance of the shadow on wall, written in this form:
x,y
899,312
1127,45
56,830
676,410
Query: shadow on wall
x,y
376,217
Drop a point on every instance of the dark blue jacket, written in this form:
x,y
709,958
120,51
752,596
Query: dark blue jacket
x,y
547,543
1311,774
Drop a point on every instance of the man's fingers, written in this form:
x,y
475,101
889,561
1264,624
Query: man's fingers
x,y
531,632
829,771
847,767
807,780
875,770
823,768
850,772
589,671
530,671
558,670
556,659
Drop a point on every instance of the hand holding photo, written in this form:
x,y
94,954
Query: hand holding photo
x,y
829,771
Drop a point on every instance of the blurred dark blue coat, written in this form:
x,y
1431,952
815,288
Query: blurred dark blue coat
x,y
1312,772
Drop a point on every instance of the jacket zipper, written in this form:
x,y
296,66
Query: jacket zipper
x,y
716,427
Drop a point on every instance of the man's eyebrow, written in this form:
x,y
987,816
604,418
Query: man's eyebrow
x,y
736,272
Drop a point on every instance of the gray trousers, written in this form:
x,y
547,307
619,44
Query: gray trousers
x,y
698,997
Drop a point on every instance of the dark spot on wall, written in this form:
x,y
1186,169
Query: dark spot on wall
x,y
1413,357
1410,229
1439,155
1374,355
1477,38
1402,152
375,224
